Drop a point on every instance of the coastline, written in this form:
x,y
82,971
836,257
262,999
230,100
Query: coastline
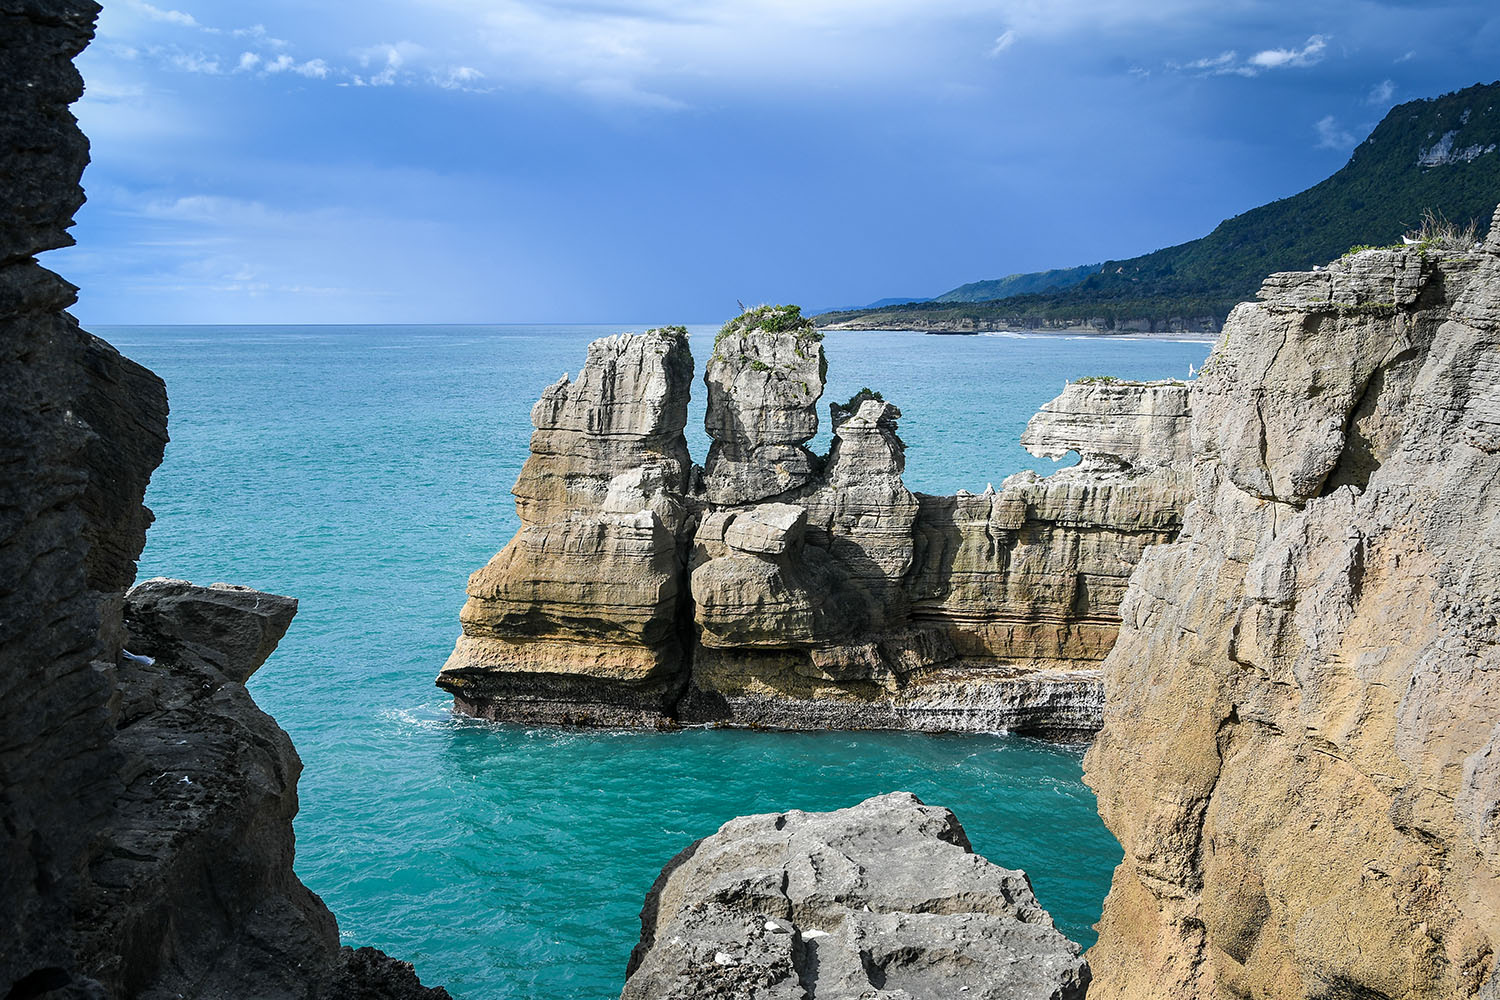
x,y
1164,336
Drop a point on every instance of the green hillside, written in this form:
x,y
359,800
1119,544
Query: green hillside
x,y
1018,284
1441,154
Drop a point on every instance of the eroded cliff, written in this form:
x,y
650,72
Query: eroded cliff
x,y
783,588
146,844
1300,735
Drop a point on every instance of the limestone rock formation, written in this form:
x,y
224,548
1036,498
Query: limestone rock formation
x,y
764,381
1299,740
146,843
576,620
884,899
801,591
1114,425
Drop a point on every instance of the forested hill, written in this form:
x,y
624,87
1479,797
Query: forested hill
x,y
1441,154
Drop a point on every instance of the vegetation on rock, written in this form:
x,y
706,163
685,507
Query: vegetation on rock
x,y
772,319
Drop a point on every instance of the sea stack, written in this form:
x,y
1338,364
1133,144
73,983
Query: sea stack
x,y
778,587
576,620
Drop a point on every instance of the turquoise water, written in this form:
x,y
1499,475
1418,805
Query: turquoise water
x,y
366,471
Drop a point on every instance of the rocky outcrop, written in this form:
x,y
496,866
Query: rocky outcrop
x,y
576,620
146,843
783,588
764,381
884,899
1299,741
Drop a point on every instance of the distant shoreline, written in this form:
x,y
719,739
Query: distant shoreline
x,y
1182,338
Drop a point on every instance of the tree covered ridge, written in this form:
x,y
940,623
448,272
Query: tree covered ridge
x,y
1440,154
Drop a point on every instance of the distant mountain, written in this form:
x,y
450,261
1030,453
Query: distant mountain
x,y
1015,284
1441,154
897,301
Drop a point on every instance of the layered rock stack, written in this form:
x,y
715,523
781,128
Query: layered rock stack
x,y
783,588
577,619
1300,745
146,845
884,899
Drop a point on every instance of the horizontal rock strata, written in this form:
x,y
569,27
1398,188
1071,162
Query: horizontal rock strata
x,y
577,619
146,844
884,899
1300,733
781,588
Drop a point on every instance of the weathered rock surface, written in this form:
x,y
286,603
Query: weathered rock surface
x,y
1300,730
576,620
764,381
884,899
1115,425
145,809
802,591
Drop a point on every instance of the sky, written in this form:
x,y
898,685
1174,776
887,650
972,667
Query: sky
x,y
648,161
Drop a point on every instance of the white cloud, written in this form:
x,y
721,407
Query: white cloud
x,y
460,78
1381,93
312,68
261,35
248,61
394,57
1332,136
1006,40
194,62
1228,62
176,17
1308,55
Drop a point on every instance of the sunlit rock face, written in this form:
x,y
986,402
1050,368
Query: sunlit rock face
x,y
1300,734
782,588
883,899
576,620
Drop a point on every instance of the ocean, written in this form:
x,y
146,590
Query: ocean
x,y
366,471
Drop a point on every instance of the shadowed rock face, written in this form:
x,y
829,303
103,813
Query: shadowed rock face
x,y
883,899
146,844
1299,741
786,589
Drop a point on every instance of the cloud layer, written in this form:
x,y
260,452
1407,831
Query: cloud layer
x,y
611,159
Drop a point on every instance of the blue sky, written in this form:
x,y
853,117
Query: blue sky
x,y
647,161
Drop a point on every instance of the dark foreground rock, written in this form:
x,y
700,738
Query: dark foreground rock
x,y
146,804
885,899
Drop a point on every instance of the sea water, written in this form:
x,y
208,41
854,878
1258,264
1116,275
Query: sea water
x,y
367,471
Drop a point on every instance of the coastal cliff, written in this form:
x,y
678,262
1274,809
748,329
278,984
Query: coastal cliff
x,y
146,848
778,587
1300,734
